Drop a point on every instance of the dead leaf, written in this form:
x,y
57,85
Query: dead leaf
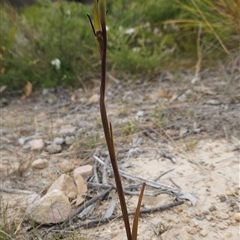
x,y
173,97
28,90
81,188
164,93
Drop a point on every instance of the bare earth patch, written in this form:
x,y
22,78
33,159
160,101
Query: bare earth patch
x,y
198,126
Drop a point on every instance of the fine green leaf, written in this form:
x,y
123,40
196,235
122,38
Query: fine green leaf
x,y
96,19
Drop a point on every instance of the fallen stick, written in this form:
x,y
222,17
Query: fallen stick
x,y
15,191
139,179
125,189
106,220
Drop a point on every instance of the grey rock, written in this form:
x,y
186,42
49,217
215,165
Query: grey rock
x,y
58,141
222,198
45,91
69,140
53,148
212,208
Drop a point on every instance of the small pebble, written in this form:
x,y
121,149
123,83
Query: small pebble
x,y
65,166
58,141
85,171
222,198
222,226
209,217
69,140
222,215
237,217
192,230
40,164
228,235
204,233
212,208
186,219
53,148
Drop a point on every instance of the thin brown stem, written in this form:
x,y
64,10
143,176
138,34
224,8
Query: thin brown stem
x,y
108,134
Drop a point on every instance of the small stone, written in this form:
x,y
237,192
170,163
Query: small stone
x,y
40,163
222,198
186,219
212,208
228,235
45,91
192,230
209,217
36,144
65,184
52,98
205,213
222,226
58,141
53,148
178,209
54,207
65,166
68,130
203,233
84,171
22,140
69,140
222,215
213,224
237,216
193,223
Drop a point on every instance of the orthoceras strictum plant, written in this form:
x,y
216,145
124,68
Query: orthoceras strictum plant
x,y
99,30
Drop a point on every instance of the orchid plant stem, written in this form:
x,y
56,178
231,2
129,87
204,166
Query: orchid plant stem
x,y
107,127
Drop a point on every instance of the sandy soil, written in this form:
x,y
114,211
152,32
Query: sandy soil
x,y
197,124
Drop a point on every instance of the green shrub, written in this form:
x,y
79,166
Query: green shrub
x,y
143,38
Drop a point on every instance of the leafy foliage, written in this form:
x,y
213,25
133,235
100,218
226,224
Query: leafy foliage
x,y
143,38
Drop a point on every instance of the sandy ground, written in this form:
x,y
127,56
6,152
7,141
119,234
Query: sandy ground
x,y
197,124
